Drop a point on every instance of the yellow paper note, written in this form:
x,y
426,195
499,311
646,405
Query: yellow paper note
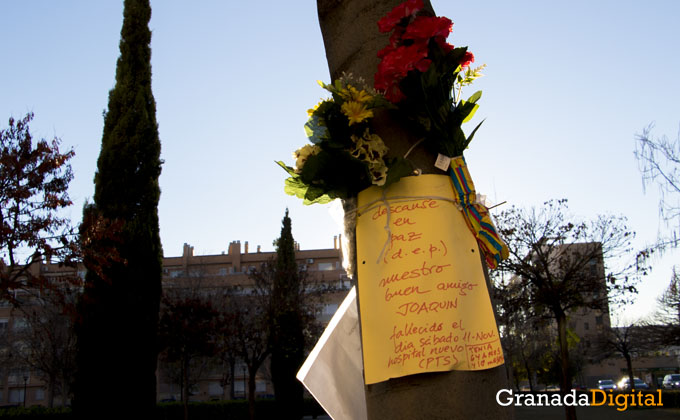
x,y
424,302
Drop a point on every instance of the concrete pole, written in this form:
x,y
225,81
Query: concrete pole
x,y
352,40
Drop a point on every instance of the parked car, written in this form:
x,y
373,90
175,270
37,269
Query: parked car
x,y
606,384
624,383
671,381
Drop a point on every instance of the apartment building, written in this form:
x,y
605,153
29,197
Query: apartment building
x,y
232,269
20,385
574,272
588,326
39,325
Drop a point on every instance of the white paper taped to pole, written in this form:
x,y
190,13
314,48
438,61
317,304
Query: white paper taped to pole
x,y
333,372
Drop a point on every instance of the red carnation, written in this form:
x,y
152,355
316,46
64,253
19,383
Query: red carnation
x,y
395,65
394,94
403,59
395,38
406,9
388,49
467,60
426,27
445,46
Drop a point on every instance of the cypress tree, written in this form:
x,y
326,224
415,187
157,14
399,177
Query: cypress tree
x,y
117,343
287,339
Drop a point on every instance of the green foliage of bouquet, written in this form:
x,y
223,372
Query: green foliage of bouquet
x,y
344,156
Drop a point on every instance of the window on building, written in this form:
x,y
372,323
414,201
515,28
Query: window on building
x,y
40,394
215,389
194,389
599,320
16,395
260,386
586,326
240,386
330,309
592,266
325,266
16,376
222,272
240,369
19,324
3,326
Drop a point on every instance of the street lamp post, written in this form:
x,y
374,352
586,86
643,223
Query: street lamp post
x,y
25,382
245,392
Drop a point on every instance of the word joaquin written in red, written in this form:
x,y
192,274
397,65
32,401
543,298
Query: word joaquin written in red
x,y
418,308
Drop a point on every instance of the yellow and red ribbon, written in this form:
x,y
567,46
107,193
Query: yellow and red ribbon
x,y
476,214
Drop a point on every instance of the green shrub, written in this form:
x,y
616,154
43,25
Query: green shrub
x,y
215,410
37,413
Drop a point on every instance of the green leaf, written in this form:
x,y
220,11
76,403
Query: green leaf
x,y
316,195
398,168
475,97
309,194
469,139
315,130
287,168
314,167
379,101
295,186
457,144
462,113
471,112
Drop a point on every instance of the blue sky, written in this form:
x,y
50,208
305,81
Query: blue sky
x,y
568,85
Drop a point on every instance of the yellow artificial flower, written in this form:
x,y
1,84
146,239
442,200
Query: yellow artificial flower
x,y
371,149
376,145
302,154
345,93
360,96
350,93
356,112
310,111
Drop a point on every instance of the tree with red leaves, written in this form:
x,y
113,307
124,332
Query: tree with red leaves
x,y
34,180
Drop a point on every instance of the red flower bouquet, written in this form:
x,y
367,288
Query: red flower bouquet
x,y
423,74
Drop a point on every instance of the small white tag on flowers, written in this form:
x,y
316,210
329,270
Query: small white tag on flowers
x,y
443,162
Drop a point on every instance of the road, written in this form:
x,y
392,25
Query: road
x,y
585,413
